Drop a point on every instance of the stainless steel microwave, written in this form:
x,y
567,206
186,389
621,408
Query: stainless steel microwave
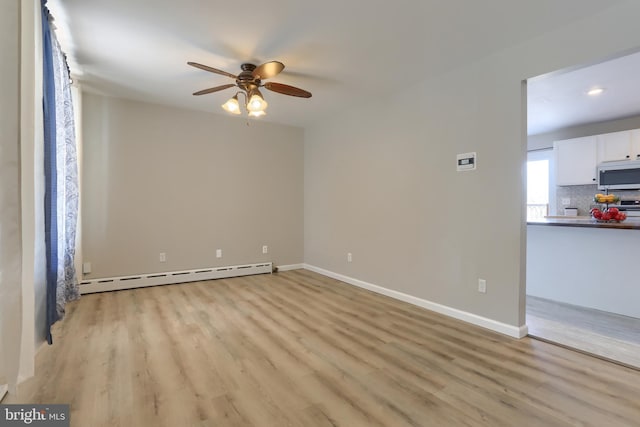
x,y
622,175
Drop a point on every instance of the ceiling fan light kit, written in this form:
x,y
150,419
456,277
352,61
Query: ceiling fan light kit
x,y
249,81
232,105
256,101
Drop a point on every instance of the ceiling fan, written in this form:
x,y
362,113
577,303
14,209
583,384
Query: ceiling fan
x,y
249,81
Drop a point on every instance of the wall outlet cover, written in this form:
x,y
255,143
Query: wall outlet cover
x,y
482,286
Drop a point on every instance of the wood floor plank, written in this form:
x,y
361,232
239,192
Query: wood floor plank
x,y
300,349
608,335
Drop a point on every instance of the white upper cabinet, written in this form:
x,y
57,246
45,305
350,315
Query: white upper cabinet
x,y
576,160
616,146
635,144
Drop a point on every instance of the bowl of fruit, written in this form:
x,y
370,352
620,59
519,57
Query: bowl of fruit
x,y
606,198
608,215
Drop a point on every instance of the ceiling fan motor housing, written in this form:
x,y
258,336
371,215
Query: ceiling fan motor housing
x,y
246,80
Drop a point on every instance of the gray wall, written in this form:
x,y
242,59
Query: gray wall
x,y
545,140
380,182
160,179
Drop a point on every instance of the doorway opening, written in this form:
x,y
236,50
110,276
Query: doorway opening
x,y
570,300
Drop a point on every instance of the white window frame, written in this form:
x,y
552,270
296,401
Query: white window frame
x,y
547,154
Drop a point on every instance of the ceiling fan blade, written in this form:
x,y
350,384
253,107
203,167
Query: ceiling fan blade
x,y
287,90
211,69
213,89
268,70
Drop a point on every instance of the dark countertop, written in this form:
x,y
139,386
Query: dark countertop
x,y
585,221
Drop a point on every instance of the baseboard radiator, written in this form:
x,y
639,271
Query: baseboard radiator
x,y
173,277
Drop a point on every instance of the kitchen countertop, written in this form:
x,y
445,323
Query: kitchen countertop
x,y
586,221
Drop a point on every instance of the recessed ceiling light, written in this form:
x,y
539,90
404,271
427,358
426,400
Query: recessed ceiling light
x,y
595,91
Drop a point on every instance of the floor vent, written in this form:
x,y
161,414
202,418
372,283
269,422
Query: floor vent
x,y
173,277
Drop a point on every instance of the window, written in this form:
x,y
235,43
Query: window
x,y
537,189
540,188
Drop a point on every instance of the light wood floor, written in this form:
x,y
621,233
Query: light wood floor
x,y
607,335
299,349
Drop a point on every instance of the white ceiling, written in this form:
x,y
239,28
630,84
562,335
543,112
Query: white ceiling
x,y
559,100
341,51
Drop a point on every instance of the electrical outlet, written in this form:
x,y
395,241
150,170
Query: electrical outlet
x,y
482,286
218,253
265,249
86,268
163,257
566,201
349,257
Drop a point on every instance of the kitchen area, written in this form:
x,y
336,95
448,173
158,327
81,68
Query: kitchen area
x,y
583,244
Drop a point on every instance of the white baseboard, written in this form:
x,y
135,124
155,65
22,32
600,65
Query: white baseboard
x,y
3,391
290,267
474,319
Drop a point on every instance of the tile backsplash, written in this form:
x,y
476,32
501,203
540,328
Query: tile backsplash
x,y
582,197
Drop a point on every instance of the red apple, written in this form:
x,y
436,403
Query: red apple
x,y
621,216
606,216
597,214
613,211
